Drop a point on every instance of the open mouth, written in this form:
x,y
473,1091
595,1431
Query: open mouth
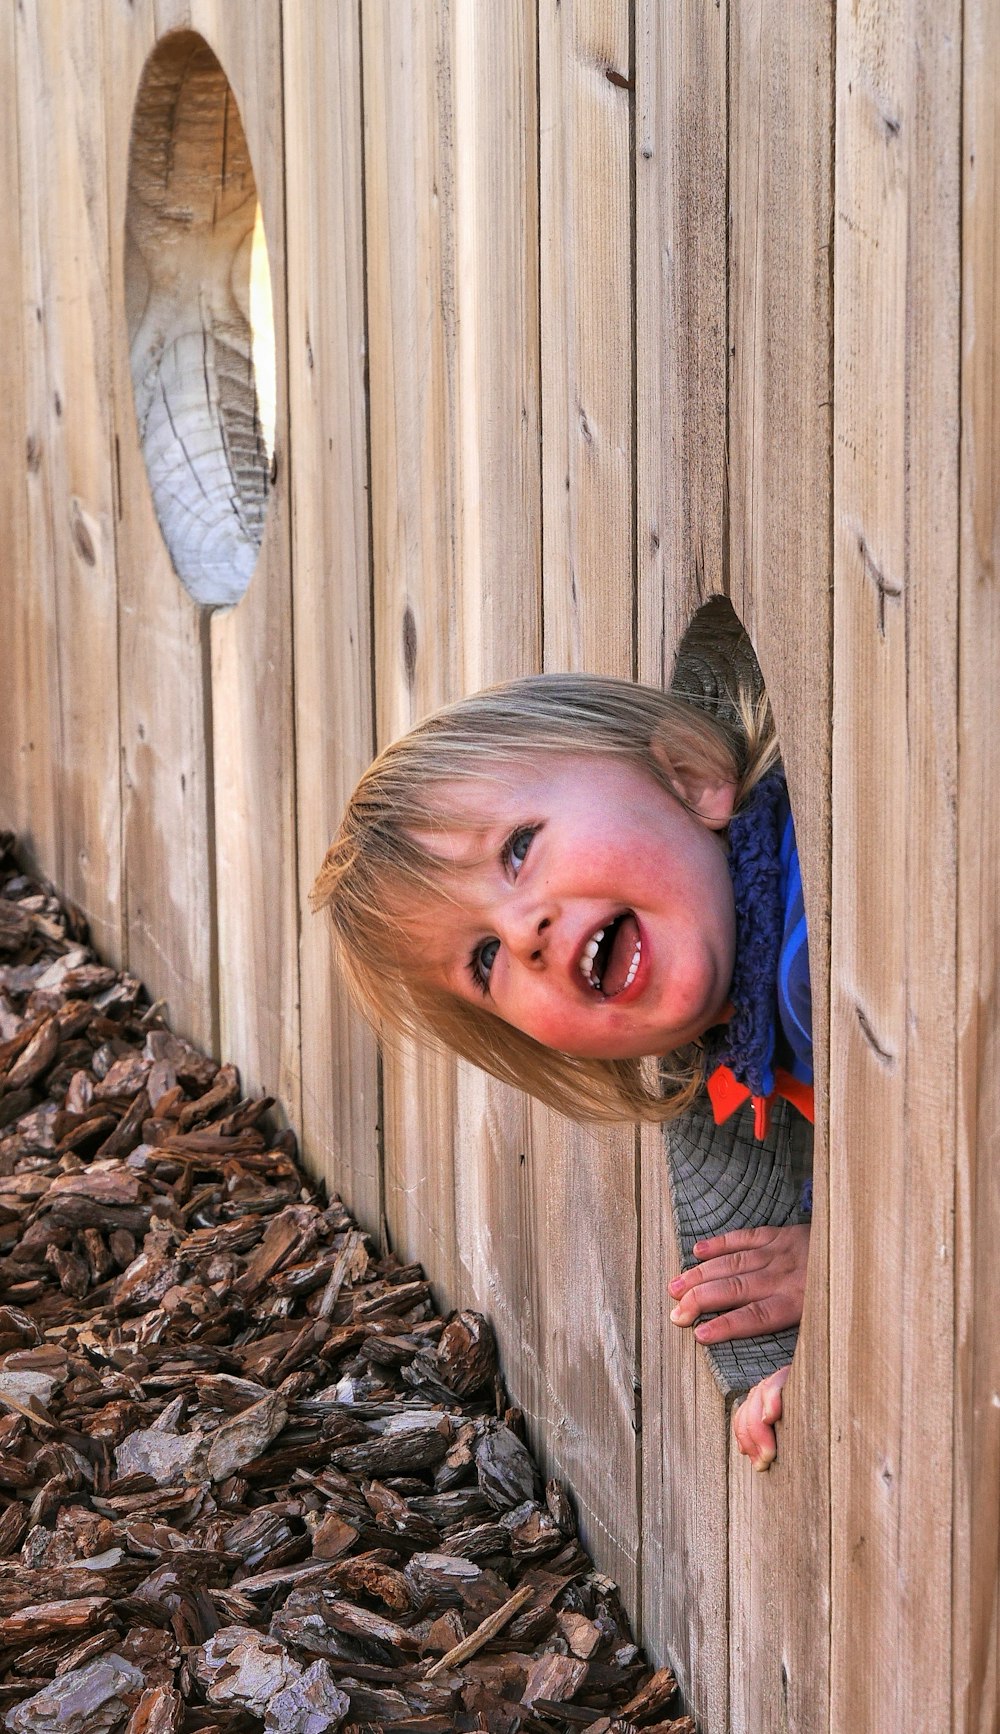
x,y
611,956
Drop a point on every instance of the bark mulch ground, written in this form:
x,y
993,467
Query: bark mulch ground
x,y
248,1476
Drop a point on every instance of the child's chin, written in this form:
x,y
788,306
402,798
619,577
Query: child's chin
x,y
637,1049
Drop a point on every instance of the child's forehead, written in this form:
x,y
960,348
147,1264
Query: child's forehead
x,y
453,843
476,802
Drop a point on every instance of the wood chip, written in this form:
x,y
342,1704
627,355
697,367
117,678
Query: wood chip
x,y
482,1634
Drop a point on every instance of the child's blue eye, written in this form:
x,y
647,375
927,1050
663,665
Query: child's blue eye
x,y
518,844
481,962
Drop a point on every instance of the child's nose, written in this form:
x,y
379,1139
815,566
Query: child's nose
x,y
530,937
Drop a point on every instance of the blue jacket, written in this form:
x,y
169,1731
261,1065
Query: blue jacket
x,y
792,1030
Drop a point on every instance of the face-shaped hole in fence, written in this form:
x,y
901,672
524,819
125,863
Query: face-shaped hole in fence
x,y
200,321
722,1177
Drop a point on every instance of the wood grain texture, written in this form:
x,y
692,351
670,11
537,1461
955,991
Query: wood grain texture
x,y
497,339
330,561
167,800
498,406
780,313
893,1004
207,726
253,754
680,320
681,382
585,251
582,1371
976,1604
410,222
684,1609
454,378
23,727
69,553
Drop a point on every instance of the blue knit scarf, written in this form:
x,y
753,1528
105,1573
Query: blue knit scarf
x,y
747,1043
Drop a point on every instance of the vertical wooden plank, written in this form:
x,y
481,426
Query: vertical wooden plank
x,y
894,862
498,428
580,1382
681,372
23,725
780,395
494,58
167,847
208,732
976,1607
452,282
684,1530
409,197
781,112
73,781
681,302
585,230
330,565
253,733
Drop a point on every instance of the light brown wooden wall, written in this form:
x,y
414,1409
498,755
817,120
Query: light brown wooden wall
x,y
585,310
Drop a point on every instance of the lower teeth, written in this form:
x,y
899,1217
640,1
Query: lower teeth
x,y
629,979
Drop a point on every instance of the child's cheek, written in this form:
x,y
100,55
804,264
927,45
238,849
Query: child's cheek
x,y
551,1024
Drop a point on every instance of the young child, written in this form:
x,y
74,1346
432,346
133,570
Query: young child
x,y
567,878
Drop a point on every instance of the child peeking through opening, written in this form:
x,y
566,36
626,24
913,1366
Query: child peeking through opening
x,y
567,878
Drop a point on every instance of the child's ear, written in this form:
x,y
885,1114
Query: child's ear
x,y
713,802
712,799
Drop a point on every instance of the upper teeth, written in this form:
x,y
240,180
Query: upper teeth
x,y
589,953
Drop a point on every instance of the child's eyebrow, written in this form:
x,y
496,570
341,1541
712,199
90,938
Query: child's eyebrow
x,y
457,847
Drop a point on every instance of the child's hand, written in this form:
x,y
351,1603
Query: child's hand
x,y
754,1277
754,1419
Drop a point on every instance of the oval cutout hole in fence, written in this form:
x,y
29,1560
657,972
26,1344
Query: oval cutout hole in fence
x,y
722,1177
200,319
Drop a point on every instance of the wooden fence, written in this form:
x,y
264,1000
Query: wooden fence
x,y
584,310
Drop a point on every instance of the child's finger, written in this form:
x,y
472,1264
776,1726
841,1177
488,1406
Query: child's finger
x,y
754,1436
737,1240
755,1418
776,1313
721,1295
727,1290
733,1264
754,1421
751,1240
770,1394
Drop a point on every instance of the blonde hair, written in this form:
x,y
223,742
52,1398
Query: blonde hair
x,y
376,868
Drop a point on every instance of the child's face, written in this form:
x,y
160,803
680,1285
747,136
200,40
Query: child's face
x,y
576,846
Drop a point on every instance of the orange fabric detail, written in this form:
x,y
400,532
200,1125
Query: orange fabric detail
x,y
726,1094
798,1093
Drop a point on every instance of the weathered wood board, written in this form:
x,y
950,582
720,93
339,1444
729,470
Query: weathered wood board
x,y
251,651
586,1306
166,724
681,302
780,560
64,453
681,147
417,604
327,362
893,982
976,1472
24,762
